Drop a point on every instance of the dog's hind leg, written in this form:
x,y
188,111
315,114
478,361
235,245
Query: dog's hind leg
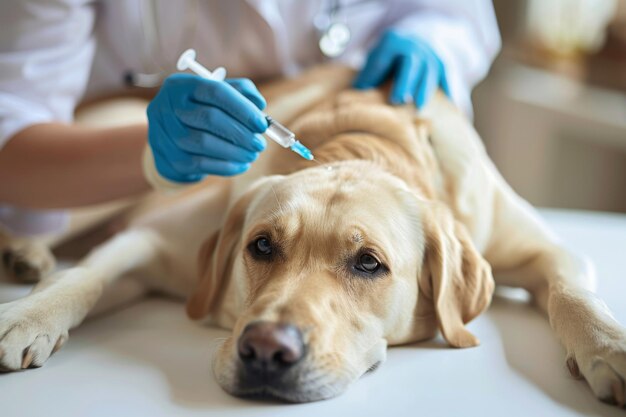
x,y
34,327
524,253
24,259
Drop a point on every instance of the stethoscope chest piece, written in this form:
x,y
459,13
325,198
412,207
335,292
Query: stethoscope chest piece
x,y
334,39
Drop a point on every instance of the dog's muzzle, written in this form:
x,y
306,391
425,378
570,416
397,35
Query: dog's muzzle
x,y
268,353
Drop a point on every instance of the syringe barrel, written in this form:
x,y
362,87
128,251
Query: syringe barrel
x,y
279,133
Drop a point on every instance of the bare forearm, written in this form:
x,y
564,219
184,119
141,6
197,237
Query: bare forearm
x,y
55,165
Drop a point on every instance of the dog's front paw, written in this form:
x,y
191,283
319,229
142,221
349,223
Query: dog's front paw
x,y
603,364
28,335
27,261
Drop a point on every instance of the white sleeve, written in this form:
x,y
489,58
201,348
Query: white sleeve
x,y
463,33
46,50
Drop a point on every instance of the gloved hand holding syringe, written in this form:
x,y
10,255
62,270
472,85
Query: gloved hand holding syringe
x,y
275,131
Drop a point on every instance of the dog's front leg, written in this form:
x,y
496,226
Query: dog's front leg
x,y
524,253
34,327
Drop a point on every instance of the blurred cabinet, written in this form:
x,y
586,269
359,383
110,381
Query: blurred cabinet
x,y
559,142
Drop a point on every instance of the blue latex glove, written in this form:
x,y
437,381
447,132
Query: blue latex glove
x,y
416,69
198,127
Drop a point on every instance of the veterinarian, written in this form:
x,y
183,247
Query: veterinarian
x,y
55,54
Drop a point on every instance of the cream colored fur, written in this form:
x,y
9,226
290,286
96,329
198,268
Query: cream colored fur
x,y
421,190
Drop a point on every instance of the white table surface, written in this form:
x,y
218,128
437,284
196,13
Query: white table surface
x,y
150,360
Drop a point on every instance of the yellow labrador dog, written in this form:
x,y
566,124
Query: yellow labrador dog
x,y
390,236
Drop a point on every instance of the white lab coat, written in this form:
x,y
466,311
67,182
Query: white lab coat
x,y
55,53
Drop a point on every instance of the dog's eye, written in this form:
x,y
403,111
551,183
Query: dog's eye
x,y
367,263
262,247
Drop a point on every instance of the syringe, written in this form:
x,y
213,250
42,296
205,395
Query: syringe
x,y
285,138
275,131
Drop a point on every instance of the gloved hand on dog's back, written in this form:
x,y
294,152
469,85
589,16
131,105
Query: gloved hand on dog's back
x,y
412,63
199,127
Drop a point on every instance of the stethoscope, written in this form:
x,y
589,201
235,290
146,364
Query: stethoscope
x,y
334,32
331,24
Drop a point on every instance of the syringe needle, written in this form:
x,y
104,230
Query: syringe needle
x,y
302,150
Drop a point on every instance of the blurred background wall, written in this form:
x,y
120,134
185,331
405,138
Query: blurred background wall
x,y
552,112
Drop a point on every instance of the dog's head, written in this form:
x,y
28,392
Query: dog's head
x,y
318,271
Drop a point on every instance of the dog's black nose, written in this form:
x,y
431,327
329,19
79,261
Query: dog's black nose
x,y
270,347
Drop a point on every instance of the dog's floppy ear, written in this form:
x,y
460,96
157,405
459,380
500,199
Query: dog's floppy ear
x,y
216,257
455,275
203,297
215,260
